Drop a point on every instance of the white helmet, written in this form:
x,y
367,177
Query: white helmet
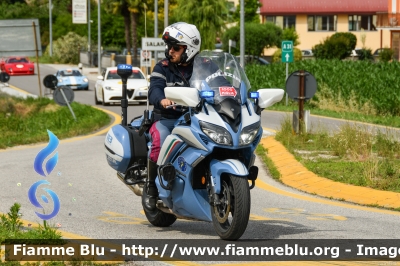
x,y
182,33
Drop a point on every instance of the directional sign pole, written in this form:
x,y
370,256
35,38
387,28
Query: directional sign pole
x,y
301,100
287,57
287,75
66,100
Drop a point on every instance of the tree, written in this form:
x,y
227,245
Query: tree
x,y
258,37
206,15
250,11
290,34
135,8
120,7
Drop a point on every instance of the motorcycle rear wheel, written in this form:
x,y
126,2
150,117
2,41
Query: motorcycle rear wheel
x,y
230,218
157,217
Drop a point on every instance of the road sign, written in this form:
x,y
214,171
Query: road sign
x,y
287,51
63,95
145,58
293,85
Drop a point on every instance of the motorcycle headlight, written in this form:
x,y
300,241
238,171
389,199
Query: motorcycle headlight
x,y
249,133
108,88
60,80
85,80
217,134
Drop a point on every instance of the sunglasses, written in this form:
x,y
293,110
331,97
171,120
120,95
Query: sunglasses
x,y
176,48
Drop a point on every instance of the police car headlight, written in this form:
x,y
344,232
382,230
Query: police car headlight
x,y
85,80
249,133
216,133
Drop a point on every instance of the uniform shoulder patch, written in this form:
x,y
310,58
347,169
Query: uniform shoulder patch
x,y
164,62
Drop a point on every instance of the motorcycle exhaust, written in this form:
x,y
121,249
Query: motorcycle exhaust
x,y
161,206
136,188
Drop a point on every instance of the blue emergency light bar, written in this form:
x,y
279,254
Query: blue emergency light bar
x,y
254,95
206,94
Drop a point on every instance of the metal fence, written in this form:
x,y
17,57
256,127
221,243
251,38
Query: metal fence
x,y
91,59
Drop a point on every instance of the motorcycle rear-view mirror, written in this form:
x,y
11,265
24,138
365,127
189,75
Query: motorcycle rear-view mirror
x,y
268,97
185,96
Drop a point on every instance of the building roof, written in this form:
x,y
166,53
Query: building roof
x,y
285,7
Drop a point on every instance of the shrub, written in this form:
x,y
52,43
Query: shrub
x,y
337,46
350,37
66,49
277,57
365,54
386,54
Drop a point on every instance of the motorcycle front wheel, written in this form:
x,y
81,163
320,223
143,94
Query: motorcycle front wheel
x,y
157,217
231,216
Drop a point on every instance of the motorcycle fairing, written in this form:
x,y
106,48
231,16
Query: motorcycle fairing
x,y
249,116
177,198
170,146
230,166
190,137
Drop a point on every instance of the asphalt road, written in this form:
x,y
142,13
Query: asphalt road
x,y
96,204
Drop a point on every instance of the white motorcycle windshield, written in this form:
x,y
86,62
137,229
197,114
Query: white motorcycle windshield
x,y
223,74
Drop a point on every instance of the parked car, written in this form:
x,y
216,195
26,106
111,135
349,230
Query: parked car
x,y
356,52
251,59
72,78
17,65
108,87
377,51
307,52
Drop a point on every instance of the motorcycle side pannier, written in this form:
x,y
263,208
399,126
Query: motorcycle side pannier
x,y
125,148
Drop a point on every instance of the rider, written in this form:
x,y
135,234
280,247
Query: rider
x,y
182,45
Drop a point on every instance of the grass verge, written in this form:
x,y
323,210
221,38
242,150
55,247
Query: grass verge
x,y
13,231
390,121
26,121
351,155
270,166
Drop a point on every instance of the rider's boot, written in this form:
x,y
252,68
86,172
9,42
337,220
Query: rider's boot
x,y
151,193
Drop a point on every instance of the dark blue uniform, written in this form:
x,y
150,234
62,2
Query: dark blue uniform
x,y
165,74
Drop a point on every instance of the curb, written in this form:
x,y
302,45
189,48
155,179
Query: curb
x,y
295,175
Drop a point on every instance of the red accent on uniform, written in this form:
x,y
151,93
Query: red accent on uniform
x,y
156,146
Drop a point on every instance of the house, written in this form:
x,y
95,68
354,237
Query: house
x,y
376,23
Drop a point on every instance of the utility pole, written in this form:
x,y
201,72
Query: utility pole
x,y
242,32
99,38
165,13
155,27
50,29
155,18
89,38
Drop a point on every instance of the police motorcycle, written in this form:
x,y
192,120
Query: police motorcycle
x,y
206,166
